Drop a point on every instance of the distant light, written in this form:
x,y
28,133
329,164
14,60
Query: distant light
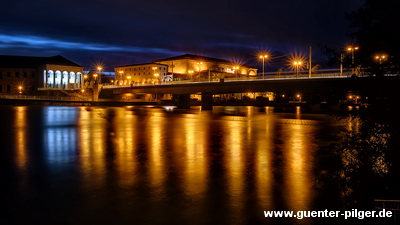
x,y
169,108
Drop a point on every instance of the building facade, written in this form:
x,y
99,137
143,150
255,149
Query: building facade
x,y
136,74
195,67
26,74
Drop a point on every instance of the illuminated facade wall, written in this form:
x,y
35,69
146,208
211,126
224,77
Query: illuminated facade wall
x,y
187,66
150,73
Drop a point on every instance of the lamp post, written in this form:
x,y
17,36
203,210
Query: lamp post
x,y
99,68
199,64
298,97
351,49
380,58
236,68
297,64
263,57
157,76
154,68
20,90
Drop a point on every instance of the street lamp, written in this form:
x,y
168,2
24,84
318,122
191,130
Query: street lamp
x,y
157,76
20,90
99,68
297,65
351,49
380,58
236,68
263,57
298,96
199,64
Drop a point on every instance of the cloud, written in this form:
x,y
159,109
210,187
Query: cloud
x,y
37,42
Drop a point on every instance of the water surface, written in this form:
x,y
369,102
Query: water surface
x,y
145,165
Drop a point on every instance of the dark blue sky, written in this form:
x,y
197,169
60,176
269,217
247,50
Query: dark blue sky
x,y
122,32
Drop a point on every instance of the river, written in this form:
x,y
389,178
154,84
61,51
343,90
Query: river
x,y
154,165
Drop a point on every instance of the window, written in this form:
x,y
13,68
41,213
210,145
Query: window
x,y
8,88
16,74
1,88
1,75
25,74
33,74
8,74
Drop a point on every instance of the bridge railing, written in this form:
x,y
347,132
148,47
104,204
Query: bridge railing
x,y
233,79
335,75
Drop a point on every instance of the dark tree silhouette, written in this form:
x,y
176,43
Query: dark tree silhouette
x,y
377,32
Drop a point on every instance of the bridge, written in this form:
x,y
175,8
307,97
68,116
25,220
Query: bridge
x,y
309,87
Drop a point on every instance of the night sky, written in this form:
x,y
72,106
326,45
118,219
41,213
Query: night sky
x,y
121,32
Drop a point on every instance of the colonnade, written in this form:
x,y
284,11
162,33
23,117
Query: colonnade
x,y
62,80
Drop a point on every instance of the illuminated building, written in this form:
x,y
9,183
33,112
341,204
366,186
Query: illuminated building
x,y
26,74
148,73
183,67
189,67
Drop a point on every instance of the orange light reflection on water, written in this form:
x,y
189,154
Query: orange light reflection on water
x,y
234,163
298,152
156,167
193,144
92,136
264,167
20,134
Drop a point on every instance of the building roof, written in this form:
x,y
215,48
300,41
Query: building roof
x,y
142,64
13,61
194,57
199,58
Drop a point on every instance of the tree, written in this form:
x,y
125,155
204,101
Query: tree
x,y
377,31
